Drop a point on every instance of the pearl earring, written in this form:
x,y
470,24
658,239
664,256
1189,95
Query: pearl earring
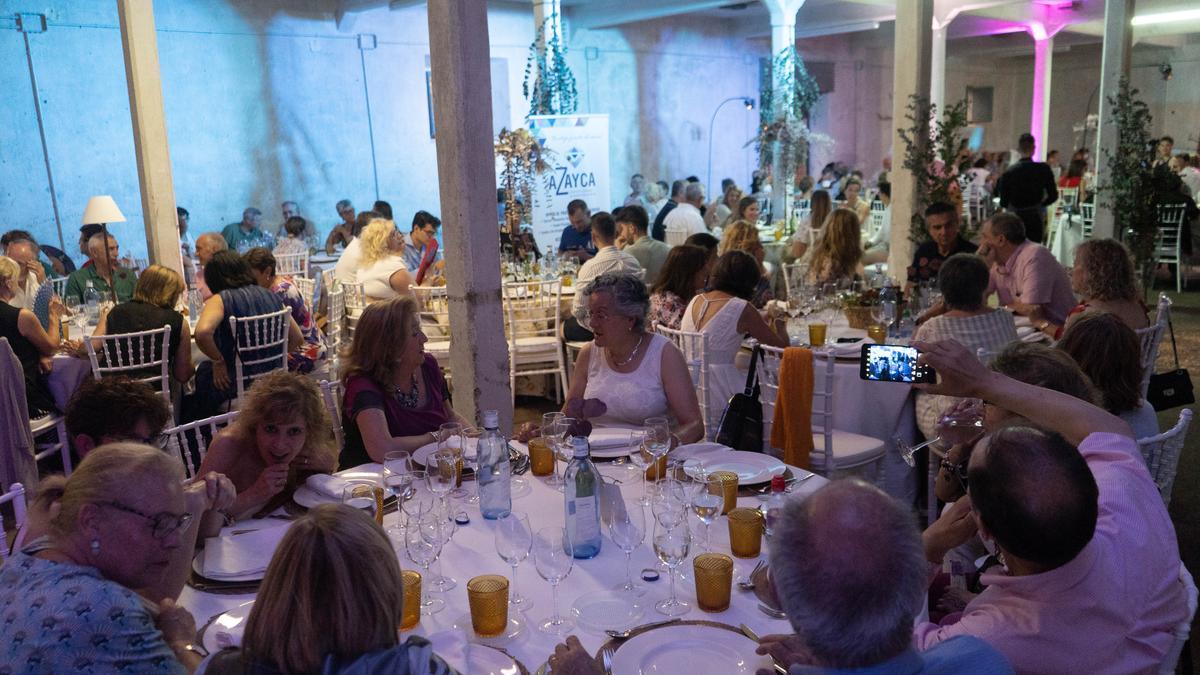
x,y
95,546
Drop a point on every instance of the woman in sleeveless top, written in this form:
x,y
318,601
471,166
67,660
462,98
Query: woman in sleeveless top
x,y
724,314
152,307
29,342
635,373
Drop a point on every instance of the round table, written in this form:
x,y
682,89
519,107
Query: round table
x,y
471,552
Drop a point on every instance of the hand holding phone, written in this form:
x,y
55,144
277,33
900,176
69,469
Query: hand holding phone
x,y
893,363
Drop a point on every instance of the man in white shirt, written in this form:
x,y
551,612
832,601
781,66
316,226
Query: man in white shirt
x,y
608,258
685,220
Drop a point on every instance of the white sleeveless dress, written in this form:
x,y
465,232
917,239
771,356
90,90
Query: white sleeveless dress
x,y
630,397
724,341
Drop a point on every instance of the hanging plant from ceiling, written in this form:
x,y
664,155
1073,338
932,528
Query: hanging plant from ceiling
x,y
524,158
549,85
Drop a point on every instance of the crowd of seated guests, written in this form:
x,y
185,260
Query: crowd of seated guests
x,y
313,350
743,236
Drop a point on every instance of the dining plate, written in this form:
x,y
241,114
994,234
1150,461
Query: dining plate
x,y
516,625
751,467
307,497
226,629
607,610
691,649
466,657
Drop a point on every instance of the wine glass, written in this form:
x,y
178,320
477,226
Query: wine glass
x,y
962,423
450,439
442,473
707,503
423,551
365,495
656,439
553,558
553,430
437,524
397,474
666,508
563,449
514,540
671,544
627,530
642,460
470,457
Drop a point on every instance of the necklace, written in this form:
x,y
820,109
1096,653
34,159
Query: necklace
x,y
409,399
632,354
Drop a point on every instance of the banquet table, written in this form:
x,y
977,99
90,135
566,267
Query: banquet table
x,y
471,552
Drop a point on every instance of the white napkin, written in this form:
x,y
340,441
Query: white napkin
x,y
326,485
609,437
241,555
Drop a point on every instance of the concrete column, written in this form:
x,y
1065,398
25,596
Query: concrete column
x,y
1114,64
1039,118
140,45
937,75
910,76
545,10
462,103
783,35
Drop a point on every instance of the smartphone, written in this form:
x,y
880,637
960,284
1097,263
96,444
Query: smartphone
x,y
893,363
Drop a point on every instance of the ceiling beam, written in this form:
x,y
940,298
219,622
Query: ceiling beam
x,y
609,13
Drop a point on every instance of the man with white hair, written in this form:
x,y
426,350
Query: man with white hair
x,y
848,566
685,220
207,245
290,210
104,274
247,234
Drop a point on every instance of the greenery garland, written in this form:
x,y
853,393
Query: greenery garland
x,y
1129,192
549,85
524,158
783,124
931,149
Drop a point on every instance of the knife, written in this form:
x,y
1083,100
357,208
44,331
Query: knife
x,y
749,632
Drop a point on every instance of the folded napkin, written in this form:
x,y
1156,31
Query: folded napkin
x,y
609,437
791,430
240,555
326,485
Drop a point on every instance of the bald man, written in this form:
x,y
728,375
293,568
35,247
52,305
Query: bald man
x,y
104,273
207,245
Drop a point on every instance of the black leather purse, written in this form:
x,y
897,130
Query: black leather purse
x,y
741,426
1173,388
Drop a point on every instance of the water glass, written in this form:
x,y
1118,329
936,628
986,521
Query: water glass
x,y
398,474
707,503
552,555
423,551
514,540
553,430
366,495
671,544
627,529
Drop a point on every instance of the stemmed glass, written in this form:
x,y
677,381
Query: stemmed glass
x,y
78,312
553,558
707,503
667,508
563,449
671,544
514,540
423,550
450,439
553,431
628,530
962,423
656,439
470,457
397,474
641,459
442,473
437,525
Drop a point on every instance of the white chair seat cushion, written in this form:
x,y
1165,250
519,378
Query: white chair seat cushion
x,y
849,449
44,423
438,347
536,344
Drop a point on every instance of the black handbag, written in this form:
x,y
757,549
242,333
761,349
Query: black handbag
x,y
1173,388
741,426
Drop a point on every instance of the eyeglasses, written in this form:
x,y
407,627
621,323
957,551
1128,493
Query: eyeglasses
x,y
162,524
958,470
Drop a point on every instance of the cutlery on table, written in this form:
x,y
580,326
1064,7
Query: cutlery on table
x,y
606,656
771,612
749,632
625,634
748,583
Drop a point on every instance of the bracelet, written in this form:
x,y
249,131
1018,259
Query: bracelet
x,y
190,647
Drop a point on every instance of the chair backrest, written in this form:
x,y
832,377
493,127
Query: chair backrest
x,y
308,290
15,496
260,346
532,309
1170,221
335,322
331,394
1150,338
60,285
1067,198
1161,453
696,355
802,208
356,302
144,356
189,442
822,403
293,264
769,363
434,307
1183,628
1087,215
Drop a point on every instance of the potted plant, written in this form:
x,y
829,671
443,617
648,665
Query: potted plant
x,y
931,150
1129,191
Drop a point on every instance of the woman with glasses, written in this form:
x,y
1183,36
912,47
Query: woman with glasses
x,y
71,603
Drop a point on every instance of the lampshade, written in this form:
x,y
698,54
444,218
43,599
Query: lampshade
x,y
102,209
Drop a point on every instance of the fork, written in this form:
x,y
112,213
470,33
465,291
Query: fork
x,y
748,584
606,656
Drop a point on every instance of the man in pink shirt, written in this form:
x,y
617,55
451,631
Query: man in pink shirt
x,y
1091,579
1026,276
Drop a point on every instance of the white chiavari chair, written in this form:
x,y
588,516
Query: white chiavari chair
x,y
356,301
189,442
1167,241
793,277
978,203
1150,338
1183,628
16,497
144,356
434,307
697,357
292,264
1087,218
60,286
260,346
802,208
308,291
335,322
533,317
331,394
1161,453
50,425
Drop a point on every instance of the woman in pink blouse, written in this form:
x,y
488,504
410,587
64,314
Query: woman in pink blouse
x,y
684,274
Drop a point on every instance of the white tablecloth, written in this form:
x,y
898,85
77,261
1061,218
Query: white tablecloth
x,y
472,552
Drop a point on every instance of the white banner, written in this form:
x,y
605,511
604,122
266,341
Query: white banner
x,y
578,170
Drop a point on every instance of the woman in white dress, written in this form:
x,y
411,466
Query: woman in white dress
x,y
725,314
382,271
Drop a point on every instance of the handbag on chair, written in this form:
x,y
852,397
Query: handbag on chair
x,y
741,426
1173,388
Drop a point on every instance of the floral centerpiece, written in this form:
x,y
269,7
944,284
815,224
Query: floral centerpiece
x,y
856,305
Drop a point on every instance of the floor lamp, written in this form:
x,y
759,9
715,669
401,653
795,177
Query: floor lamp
x,y
746,101
102,210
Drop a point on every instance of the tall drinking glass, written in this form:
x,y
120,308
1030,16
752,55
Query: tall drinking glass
x,y
553,558
398,474
514,540
642,459
553,430
442,473
438,525
423,551
451,441
656,439
563,449
707,503
671,544
470,457
962,423
627,529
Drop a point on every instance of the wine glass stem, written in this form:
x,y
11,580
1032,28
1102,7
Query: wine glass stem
x,y
628,570
706,546
515,591
671,573
554,617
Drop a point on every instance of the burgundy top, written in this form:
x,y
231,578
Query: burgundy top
x,y
364,393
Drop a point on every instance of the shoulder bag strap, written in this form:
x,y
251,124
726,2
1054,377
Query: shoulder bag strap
x,y
751,375
1174,350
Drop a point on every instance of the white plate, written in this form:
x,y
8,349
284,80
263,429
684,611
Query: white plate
x,y
198,568
607,610
226,630
308,497
751,467
420,456
516,625
685,452
472,658
691,649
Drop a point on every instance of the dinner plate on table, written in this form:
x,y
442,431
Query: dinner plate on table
x,y
469,657
226,629
599,611
695,649
308,498
751,467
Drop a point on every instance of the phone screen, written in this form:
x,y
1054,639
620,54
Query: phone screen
x,y
893,363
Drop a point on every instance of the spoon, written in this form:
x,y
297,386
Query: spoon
x,y
748,583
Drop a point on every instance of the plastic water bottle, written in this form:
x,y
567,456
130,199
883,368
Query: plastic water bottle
x,y
91,298
581,491
495,471
775,505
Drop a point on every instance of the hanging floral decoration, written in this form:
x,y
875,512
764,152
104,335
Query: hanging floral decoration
x,y
932,147
524,158
549,85
784,106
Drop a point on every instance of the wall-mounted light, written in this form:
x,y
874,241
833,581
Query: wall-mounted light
x,y
1165,70
749,102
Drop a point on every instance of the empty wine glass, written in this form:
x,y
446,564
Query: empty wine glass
x,y
707,503
450,440
627,530
423,551
671,544
554,560
656,439
437,525
563,450
553,431
639,457
470,457
442,473
962,423
514,540
397,474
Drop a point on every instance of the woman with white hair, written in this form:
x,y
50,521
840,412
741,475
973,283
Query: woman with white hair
x,y
382,271
32,344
